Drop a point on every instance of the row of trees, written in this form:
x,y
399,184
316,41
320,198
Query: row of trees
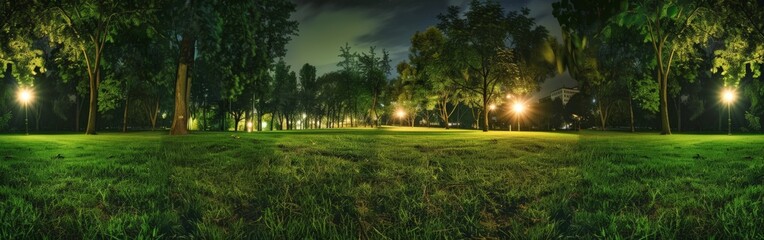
x,y
473,60
632,59
135,61
134,55
651,54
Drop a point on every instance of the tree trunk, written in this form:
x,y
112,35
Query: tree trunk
x,y
154,115
259,121
124,115
445,115
92,104
236,120
485,106
375,120
631,113
665,125
182,83
273,117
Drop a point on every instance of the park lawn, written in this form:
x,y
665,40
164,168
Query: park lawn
x,y
397,183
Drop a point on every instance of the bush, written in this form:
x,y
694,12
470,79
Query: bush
x,y
754,122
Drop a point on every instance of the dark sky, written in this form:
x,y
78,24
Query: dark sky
x,y
325,25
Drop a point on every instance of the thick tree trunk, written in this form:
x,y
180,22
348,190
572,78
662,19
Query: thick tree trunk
x,y
236,121
259,121
92,104
665,125
182,83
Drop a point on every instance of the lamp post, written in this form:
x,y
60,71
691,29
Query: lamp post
x,y
519,108
25,96
729,96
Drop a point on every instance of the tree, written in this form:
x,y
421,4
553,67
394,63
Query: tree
x,y
83,28
426,56
225,33
284,95
308,92
673,28
476,45
374,70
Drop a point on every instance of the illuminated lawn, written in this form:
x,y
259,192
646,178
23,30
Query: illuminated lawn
x,y
397,183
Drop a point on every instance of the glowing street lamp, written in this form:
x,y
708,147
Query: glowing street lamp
x,y
519,108
400,114
25,96
728,96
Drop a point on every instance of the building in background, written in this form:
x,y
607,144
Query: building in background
x,y
563,93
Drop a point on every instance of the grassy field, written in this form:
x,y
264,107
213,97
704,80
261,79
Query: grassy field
x,y
396,183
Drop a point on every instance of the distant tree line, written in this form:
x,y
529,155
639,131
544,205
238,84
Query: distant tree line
x,y
218,65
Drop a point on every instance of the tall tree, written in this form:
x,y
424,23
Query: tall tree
x,y
673,27
83,28
477,44
374,70
245,36
434,76
308,92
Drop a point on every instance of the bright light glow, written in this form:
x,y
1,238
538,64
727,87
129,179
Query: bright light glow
x,y
264,124
728,96
400,113
249,125
509,96
492,107
25,96
304,116
518,107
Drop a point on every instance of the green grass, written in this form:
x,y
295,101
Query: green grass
x,y
397,183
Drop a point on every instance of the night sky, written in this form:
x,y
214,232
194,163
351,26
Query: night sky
x,y
325,25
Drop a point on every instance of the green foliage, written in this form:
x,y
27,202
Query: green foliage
x,y
491,52
5,118
737,56
26,60
754,122
110,93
